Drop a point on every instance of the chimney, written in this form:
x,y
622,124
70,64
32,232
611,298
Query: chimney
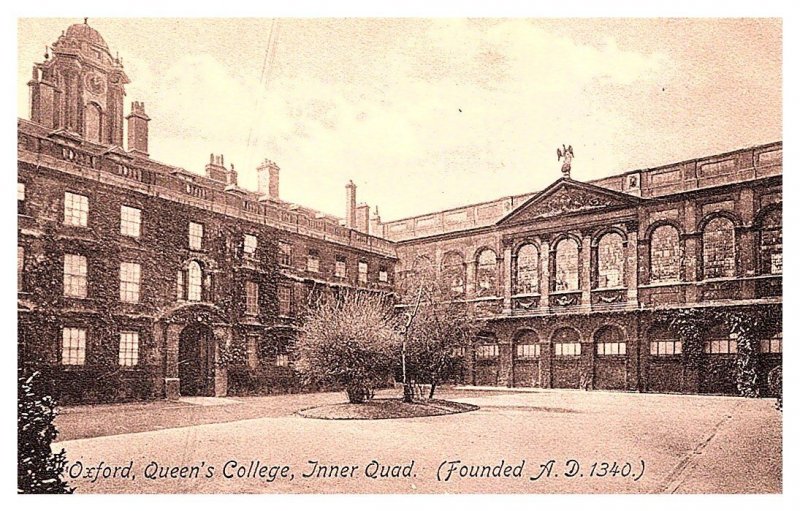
x,y
362,217
215,169
350,212
137,129
268,179
375,227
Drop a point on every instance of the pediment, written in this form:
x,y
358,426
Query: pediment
x,y
568,197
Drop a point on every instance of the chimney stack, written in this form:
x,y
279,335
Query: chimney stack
x,y
137,129
362,217
350,212
215,169
375,227
268,179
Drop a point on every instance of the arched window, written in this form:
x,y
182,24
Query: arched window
x,y
610,261
486,347
92,120
195,278
487,272
566,267
665,254
423,268
664,342
719,249
771,243
527,345
610,341
566,342
527,277
453,273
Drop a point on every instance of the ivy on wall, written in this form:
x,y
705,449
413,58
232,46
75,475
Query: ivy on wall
x,y
749,325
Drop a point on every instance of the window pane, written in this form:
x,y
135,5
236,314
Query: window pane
x,y
719,249
195,290
195,236
129,278
130,221
75,276
20,191
73,346
362,272
527,270
487,273
610,260
250,244
128,348
76,209
566,267
665,257
251,297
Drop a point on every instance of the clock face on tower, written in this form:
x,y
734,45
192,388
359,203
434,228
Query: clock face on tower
x,y
95,83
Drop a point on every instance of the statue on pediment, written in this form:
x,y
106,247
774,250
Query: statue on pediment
x,y
567,154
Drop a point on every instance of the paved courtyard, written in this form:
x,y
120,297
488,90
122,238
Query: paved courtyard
x,y
659,443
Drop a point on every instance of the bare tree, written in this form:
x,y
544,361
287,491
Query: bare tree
x,y
438,326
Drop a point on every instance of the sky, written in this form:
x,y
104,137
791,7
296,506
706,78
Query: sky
x,y
429,114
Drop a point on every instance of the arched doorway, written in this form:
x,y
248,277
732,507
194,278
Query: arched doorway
x,y
611,359
527,355
196,349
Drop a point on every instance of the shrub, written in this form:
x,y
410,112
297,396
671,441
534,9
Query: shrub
x,y
348,341
39,470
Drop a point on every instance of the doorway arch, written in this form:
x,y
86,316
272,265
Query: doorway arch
x,y
196,356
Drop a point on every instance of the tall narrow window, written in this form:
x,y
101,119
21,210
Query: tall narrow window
x,y
454,274
130,221
181,292
195,236
527,277
719,249
340,268
566,267
487,272
73,346
128,348
195,287
362,272
383,274
250,244
252,351
285,304
76,209
313,261
665,255
129,278
75,276
251,298
771,243
284,253
610,260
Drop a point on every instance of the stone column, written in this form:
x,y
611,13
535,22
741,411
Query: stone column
x,y
691,252
585,270
222,338
546,365
632,266
507,280
470,289
544,280
505,368
172,382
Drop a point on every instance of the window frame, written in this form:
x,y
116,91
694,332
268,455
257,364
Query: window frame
x,y
128,338
130,288
251,292
79,360
195,239
81,219
70,279
127,225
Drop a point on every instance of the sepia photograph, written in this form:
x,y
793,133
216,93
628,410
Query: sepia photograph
x,y
383,255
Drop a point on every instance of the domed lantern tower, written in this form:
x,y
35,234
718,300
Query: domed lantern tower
x,y
80,88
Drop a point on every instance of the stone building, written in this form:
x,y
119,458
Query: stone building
x,y
578,283
142,280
